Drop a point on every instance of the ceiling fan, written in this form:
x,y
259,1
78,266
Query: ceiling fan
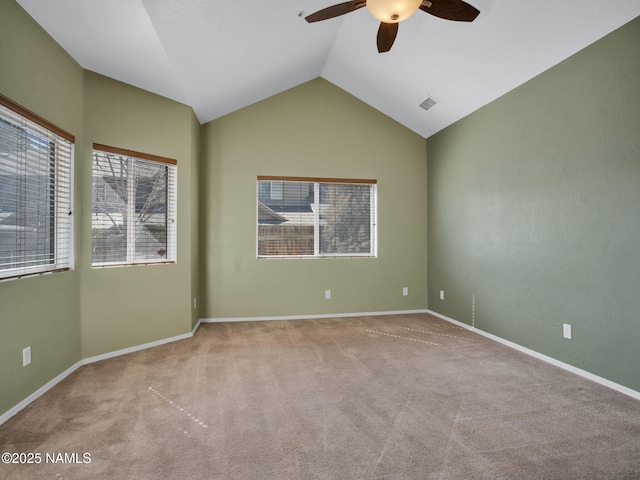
x,y
391,12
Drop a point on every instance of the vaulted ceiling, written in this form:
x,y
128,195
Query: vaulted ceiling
x,y
219,56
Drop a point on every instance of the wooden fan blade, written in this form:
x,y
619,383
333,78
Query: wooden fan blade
x,y
455,10
386,36
335,11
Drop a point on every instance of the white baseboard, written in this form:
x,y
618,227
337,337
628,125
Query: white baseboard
x,y
540,356
309,317
143,346
38,393
49,385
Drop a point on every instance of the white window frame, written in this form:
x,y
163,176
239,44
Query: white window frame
x,y
171,213
62,258
373,253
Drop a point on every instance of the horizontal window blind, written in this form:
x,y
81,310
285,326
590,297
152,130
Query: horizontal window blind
x,y
311,217
36,224
134,208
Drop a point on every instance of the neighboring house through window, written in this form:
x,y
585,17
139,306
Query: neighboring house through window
x,y
133,217
36,222
316,217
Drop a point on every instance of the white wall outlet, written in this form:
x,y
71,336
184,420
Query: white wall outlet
x,y
26,356
195,302
441,294
405,291
566,330
327,294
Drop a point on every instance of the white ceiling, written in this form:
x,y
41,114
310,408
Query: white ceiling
x,y
219,56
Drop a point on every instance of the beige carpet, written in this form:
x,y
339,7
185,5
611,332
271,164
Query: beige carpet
x,y
393,397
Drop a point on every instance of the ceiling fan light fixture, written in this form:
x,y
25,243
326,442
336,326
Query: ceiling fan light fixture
x,y
392,11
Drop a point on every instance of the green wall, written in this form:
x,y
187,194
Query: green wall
x,y
41,312
127,306
68,316
533,209
314,130
194,205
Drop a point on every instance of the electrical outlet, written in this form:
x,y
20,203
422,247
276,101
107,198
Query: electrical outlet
x,y
26,356
195,302
441,294
327,294
405,291
566,331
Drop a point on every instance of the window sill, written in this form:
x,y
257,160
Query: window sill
x,y
110,265
33,274
312,257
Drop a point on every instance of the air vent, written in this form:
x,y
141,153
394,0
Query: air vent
x,y
428,104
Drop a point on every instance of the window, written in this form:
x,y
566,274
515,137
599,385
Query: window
x,y
133,219
312,217
36,223
276,190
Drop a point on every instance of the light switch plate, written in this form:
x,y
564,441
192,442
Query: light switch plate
x,y
26,356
